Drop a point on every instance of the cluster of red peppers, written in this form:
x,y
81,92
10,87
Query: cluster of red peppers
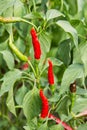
x,y
37,55
45,104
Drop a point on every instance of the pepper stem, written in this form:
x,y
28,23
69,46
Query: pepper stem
x,y
23,20
32,68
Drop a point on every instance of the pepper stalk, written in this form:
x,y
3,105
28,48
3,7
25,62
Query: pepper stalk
x,y
72,94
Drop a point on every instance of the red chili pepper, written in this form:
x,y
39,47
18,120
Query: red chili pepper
x,y
58,121
36,44
45,111
50,73
45,105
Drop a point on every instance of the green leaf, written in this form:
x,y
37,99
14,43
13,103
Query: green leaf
x,y
10,102
3,46
82,127
83,51
80,105
3,36
45,41
9,59
20,94
9,79
19,9
8,13
31,125
73,72
22,29
4,4
27,127
13,128
63,106
85,12
54,98
43,127
81,91
55,61
80,4
77,56
64,52
71,4
34,15
57,127
81,56
67,27
20,44
53,13
32,104
3,123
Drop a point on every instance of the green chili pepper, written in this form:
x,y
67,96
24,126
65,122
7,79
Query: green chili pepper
x,y
73,94
17,52
9,19
73,98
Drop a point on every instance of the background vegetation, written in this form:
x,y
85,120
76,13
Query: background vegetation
x,y
61,26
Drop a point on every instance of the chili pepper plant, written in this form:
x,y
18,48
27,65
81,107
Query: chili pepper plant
x,y
43,65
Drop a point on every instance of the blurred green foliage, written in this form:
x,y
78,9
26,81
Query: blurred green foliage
x,y
62,31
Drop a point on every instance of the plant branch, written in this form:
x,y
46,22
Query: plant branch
x,y
32,68
14,20
24,20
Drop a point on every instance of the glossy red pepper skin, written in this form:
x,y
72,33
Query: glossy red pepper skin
x,y
50,73
45,105
36,44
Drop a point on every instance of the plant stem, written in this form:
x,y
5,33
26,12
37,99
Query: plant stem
x,y
18,107
81,36
14,20
27,74
27,78
32,68
34,5
23,20
61,8
60,101
73,115
73,98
